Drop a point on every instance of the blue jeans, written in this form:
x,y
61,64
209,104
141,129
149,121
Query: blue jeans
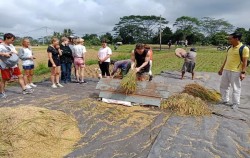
x,y
66,72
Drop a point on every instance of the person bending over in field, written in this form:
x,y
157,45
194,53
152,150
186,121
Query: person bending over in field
x,y
26,55
189,62
124,65
140,60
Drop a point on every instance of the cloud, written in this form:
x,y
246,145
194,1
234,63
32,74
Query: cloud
x,y
37,18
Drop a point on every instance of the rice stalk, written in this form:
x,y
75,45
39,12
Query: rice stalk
x,y
184,104
129,82
203,93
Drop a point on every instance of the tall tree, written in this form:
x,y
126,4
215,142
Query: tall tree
x,y
244,33
219,38
57,35
187,25
108,37
136,28
247,38
67,32
167,35
211,26
1,35
91,39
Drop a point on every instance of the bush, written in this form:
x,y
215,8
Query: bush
x,y
41,69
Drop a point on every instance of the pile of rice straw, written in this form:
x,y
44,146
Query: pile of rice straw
x,y
185,104
202,92
192,101
36,132
128,83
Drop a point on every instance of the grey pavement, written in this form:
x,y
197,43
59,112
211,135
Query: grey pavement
x,y
225,134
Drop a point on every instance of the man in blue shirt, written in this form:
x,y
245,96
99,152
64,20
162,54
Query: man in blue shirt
x,y
124,65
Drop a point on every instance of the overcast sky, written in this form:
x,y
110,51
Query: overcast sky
x,y
30,17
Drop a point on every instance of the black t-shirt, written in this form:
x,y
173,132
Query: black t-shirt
x,y
54,52
66,56
140,59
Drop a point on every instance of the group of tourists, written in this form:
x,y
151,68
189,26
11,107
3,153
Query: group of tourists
x,y
62,55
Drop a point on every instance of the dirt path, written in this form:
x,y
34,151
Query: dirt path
x,y
118,131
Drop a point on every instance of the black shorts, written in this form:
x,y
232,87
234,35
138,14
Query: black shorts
x,y
56,61
188,67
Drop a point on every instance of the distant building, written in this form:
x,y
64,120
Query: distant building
x,y
118,43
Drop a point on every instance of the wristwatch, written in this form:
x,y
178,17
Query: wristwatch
x,y
243,72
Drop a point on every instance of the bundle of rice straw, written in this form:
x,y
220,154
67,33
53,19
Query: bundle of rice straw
x,y
128,83
36,132
185,104
202,92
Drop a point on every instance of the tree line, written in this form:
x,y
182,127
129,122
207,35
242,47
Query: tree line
x,y
151,29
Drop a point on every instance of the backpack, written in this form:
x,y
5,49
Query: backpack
x,y
11,61
240,53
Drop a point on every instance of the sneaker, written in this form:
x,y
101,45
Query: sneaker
x,y
33,85
150,77
27,91
224,102
84,82
3,95
59,85
54,86
235,106
28,86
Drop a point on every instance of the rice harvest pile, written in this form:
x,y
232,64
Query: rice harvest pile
x,y
128,83
36,132
185,104
202,92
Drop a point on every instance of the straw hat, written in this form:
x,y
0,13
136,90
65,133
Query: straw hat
x,y
179,52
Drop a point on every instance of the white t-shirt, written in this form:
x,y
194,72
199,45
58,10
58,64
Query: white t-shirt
x,y
78,50
7,48
27,53
103,52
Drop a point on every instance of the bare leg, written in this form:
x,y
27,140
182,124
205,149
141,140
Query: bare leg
x,y
30,78
53,74
58,71
182,74
21,81
26,77
192,75
77,74
82,74
1,87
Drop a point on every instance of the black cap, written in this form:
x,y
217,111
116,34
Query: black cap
x,y
236,35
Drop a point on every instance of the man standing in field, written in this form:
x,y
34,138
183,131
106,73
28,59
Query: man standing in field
x,y
233,71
